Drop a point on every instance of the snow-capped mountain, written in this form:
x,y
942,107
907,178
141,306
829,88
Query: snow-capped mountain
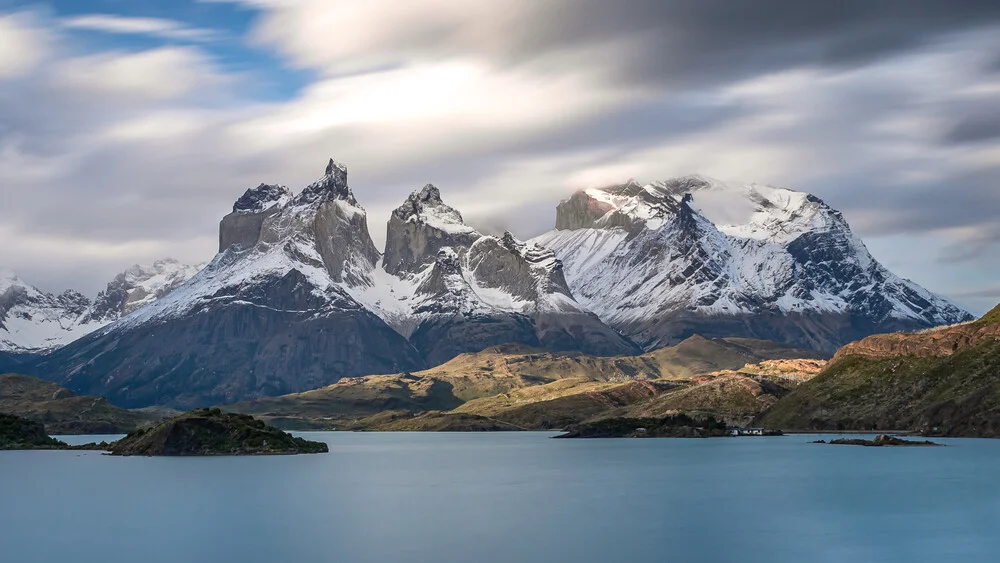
x,y
452,289
299,297
660,262
32,321
139,286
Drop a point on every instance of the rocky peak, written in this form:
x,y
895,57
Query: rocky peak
x,y
687,220
630,206
683,185
425,206
333,185
428,195
420,227
262,198
511,243
138,286
73,301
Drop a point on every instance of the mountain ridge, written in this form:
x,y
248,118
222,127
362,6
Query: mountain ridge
x,y
33,321
695,255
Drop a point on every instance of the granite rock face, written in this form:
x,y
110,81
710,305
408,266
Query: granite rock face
x,y
242,227
460,290
420,228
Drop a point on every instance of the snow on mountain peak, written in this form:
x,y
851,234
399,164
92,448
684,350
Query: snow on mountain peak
x,y
334,168
262,198
9,279
35,321
425,206
333,185
661,260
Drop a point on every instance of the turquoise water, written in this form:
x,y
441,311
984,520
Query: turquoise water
x,y
509,497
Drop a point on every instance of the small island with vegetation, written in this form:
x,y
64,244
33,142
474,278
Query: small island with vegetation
x,y
882,440
673,426
18,433
201,432
204,432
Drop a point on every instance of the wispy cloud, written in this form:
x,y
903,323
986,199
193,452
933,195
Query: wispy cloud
x,y
156,27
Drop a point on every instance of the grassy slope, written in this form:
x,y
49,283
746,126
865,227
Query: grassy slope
x,y
63,412
993,317
527,388
957,394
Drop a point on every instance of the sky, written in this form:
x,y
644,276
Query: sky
x,y
128,128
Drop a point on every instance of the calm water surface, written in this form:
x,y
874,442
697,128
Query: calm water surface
x,y
508,497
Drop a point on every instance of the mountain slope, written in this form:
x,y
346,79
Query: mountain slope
x,y
942,381
693,255
506,378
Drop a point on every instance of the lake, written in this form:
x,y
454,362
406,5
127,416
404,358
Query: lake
x,y
509,497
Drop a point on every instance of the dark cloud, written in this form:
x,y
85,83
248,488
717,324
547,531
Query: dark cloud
x,y
978,125
987,293
691,42
969,200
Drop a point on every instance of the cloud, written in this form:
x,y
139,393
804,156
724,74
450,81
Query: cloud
x,y
155,27
161,73
23,44
663,41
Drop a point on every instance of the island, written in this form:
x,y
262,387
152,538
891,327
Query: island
x,y
674,426
882,440
18,433
204,432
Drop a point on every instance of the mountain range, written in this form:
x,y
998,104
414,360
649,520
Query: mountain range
x,y
33,321
299,297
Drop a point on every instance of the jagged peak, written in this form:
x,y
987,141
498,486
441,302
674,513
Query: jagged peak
x,y
688,219
334,167
425,206
428,194
333,185
262,198
531,252
510,241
